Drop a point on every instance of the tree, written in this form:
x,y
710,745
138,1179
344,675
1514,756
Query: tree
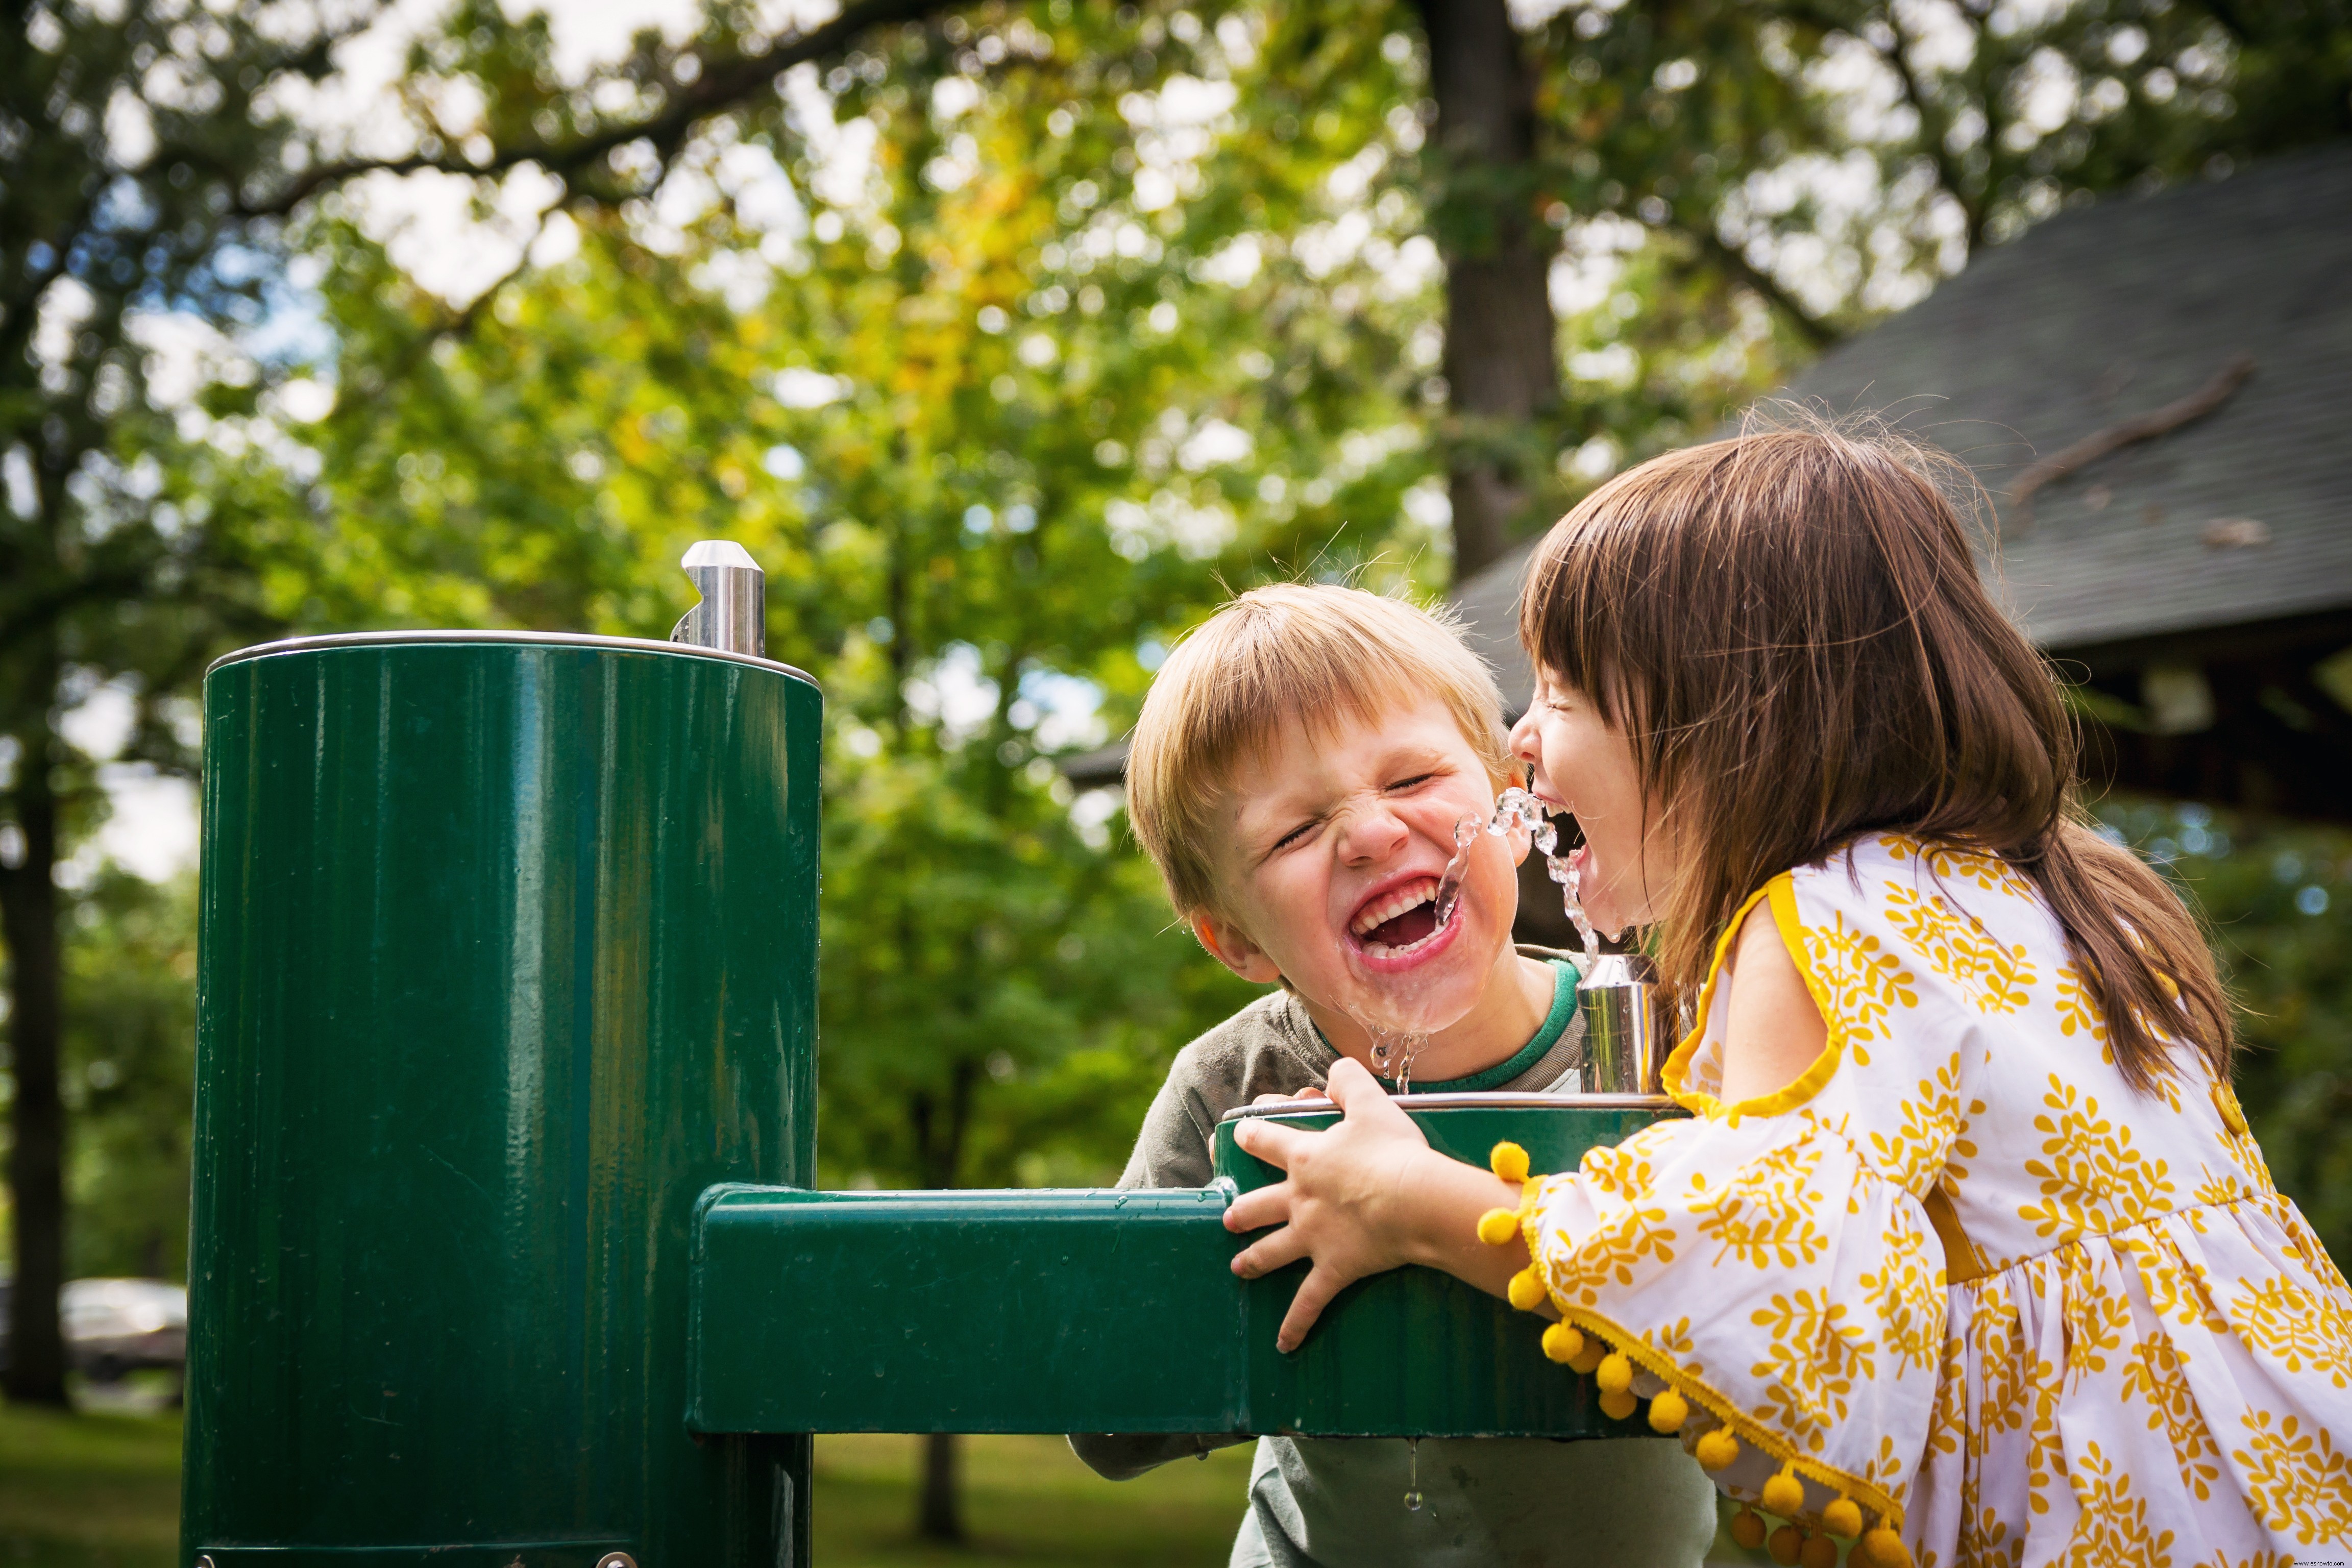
x,y
148,153
123,137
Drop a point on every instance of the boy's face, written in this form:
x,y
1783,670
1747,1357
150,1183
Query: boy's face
x,y
1328,873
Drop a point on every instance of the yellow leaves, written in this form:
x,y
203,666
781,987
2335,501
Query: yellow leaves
x,y
1764,1214
2176,1289
1994,977
1904,1294
1611,1252
2157,1375
1816,1352
2298,1481
2112,1527
2077,1015
2097,1317
1946,863
1865,982
2092,1179
1619,1170
1674,1341
1931,1118
2296,1326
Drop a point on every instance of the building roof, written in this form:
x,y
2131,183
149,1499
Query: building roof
x,y
2092,318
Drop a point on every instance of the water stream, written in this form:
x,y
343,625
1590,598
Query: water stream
x,y
1395,1041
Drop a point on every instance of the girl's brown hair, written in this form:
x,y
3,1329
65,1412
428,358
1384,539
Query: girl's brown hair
x,y
1790,629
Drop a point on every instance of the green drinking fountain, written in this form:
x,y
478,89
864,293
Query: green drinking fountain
x,y
506,1250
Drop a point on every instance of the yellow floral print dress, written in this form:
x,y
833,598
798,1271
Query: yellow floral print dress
x,y
1959,1274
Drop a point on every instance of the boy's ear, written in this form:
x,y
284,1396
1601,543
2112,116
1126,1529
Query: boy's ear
x,y
1231,946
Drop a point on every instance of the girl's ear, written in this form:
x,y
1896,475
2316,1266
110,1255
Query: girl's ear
x,y
1231,946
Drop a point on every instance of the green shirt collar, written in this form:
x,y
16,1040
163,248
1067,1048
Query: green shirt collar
x,y
1555,1024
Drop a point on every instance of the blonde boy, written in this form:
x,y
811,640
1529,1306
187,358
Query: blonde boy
x,y
1296,775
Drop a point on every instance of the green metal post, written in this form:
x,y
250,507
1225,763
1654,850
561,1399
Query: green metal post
x,y
507,953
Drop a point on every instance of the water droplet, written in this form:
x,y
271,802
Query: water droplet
x,y
1412,1473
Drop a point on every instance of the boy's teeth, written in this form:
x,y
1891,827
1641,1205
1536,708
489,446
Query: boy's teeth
x,y
1395,904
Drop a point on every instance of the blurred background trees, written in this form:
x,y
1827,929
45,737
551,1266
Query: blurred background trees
x,y
1007,337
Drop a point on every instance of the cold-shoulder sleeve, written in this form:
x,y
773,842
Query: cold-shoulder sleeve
x,y
1773,1261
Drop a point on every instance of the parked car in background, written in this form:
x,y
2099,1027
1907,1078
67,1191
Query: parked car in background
x,y
115,1327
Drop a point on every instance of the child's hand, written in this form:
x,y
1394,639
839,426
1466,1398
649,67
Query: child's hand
x,y
1342,1205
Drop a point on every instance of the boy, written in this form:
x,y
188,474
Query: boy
x,y
1296,775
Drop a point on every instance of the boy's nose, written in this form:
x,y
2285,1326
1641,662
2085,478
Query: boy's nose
x,y
1372,834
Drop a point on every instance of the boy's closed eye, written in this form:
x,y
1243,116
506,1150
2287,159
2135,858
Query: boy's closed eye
x,y
1303,831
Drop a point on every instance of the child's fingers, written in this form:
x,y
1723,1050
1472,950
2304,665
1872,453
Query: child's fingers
x,y
1352,1086
1256,1211
1321,1284
1268,1253
1275,1144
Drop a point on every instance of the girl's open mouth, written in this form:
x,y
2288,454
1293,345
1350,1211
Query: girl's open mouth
x,y
1398,929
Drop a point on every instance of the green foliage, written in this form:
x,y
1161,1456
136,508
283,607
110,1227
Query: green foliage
x,y
129,1075
1117,308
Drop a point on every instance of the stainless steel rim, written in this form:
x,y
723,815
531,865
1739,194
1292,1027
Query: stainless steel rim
x,y
547,639
1493,1100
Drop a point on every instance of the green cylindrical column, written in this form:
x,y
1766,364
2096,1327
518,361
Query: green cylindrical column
x,y
508,952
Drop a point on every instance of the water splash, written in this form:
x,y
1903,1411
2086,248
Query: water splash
x,y
1412,1473
1393,1051
1449,884
1518,808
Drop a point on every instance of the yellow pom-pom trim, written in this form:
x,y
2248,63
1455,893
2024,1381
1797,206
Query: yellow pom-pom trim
x,y
1716,1450
1784,1543
1784,1494
1882,1548
1497,1227
1509,1161
1563,1341
1747,1526
1617,1405
1818,1552
1842,1519
1586,1359
1615,1374
1528,1291
1668,1411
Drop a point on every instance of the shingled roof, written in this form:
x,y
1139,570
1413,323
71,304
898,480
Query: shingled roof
x,y
2174,547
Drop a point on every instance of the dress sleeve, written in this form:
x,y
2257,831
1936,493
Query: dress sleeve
x,y
1771,1263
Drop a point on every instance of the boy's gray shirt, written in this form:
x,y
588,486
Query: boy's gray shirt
x,y
1339,1502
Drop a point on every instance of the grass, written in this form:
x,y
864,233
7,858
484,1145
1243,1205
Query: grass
x,y
88,1491
103,1491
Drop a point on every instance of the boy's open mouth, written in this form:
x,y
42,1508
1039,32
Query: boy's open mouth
x,y
1398,923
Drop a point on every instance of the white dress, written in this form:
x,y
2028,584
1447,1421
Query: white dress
x,y
1959,1272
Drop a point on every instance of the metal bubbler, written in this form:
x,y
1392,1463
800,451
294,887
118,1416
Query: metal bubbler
x,y
1628,1025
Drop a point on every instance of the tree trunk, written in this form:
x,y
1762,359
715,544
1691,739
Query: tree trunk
x,y
939,1131
1501,365
939,1510
28,923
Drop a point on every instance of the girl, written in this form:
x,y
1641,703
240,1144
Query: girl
x,y
1965,1250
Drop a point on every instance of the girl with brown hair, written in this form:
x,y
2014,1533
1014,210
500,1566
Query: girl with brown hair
x,y
1965,1250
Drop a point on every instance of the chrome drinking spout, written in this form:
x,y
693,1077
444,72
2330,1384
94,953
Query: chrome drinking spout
x,y
1627,1032
733,615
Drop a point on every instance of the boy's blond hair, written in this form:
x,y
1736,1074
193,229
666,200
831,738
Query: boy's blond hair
x,y
1316,652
